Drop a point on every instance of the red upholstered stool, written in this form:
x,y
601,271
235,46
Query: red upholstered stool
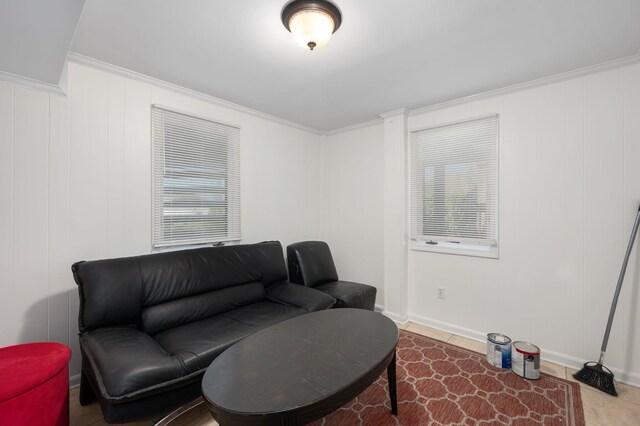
x,y
34,384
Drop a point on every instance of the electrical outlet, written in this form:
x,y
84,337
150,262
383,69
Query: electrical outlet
x,y
441,293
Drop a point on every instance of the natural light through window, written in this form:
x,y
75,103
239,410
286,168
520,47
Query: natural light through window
x,y
196,180
454,187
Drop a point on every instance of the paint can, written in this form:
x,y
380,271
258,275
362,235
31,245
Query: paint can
x,y
525,360
499,350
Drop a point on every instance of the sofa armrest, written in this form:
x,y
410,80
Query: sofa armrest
x,y
300,296
126,362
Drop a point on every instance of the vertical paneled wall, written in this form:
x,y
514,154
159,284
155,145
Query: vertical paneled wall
x,y
34,188
75,184
7,320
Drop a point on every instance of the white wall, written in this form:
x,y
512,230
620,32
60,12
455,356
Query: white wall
x,y
34,138
75,184
353,208
569,192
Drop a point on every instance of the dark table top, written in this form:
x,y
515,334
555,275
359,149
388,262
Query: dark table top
x,y
299,361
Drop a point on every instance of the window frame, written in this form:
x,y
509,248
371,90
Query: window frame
x,y
161,246
455,245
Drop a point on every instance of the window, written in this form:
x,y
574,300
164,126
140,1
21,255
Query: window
x,y
196,179
454,187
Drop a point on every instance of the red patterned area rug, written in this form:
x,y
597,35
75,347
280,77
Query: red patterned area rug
x,y
442,384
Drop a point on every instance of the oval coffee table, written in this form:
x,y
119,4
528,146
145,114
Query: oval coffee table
x,y
301,369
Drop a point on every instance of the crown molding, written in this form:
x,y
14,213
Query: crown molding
x,y
104,66
591,69
31,83
355,126
395,112
95,63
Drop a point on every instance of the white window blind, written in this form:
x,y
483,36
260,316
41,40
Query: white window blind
x,y
196,179
454,185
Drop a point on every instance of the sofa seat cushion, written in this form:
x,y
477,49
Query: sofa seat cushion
x,y
129,364
199,343
350,295
264,314
300,296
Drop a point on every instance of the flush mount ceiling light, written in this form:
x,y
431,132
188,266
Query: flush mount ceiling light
x,y
311,21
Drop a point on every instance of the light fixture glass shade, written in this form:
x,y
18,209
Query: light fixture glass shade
x,y
311,28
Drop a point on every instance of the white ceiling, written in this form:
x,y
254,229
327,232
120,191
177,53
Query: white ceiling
x,y
387,54
35,36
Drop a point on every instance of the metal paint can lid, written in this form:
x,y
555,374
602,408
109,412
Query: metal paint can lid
x,y
500,339
526,348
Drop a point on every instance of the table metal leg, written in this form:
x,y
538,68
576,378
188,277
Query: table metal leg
x,y
391,378
178,412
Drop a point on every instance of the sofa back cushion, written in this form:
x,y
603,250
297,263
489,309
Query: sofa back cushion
x,y
186,310
311,263
163,290
110,292
173,275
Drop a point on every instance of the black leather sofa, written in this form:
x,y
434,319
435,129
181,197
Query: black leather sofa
x,y
311,264
151,325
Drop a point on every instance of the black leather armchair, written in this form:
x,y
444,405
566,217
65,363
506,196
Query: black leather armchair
x,y
151,325
311,264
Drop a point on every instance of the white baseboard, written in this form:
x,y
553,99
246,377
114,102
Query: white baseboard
x,y
379,308
629,378
400,319
451,328
74,381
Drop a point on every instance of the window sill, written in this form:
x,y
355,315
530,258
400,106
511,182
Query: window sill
x,y
488,253
177,247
